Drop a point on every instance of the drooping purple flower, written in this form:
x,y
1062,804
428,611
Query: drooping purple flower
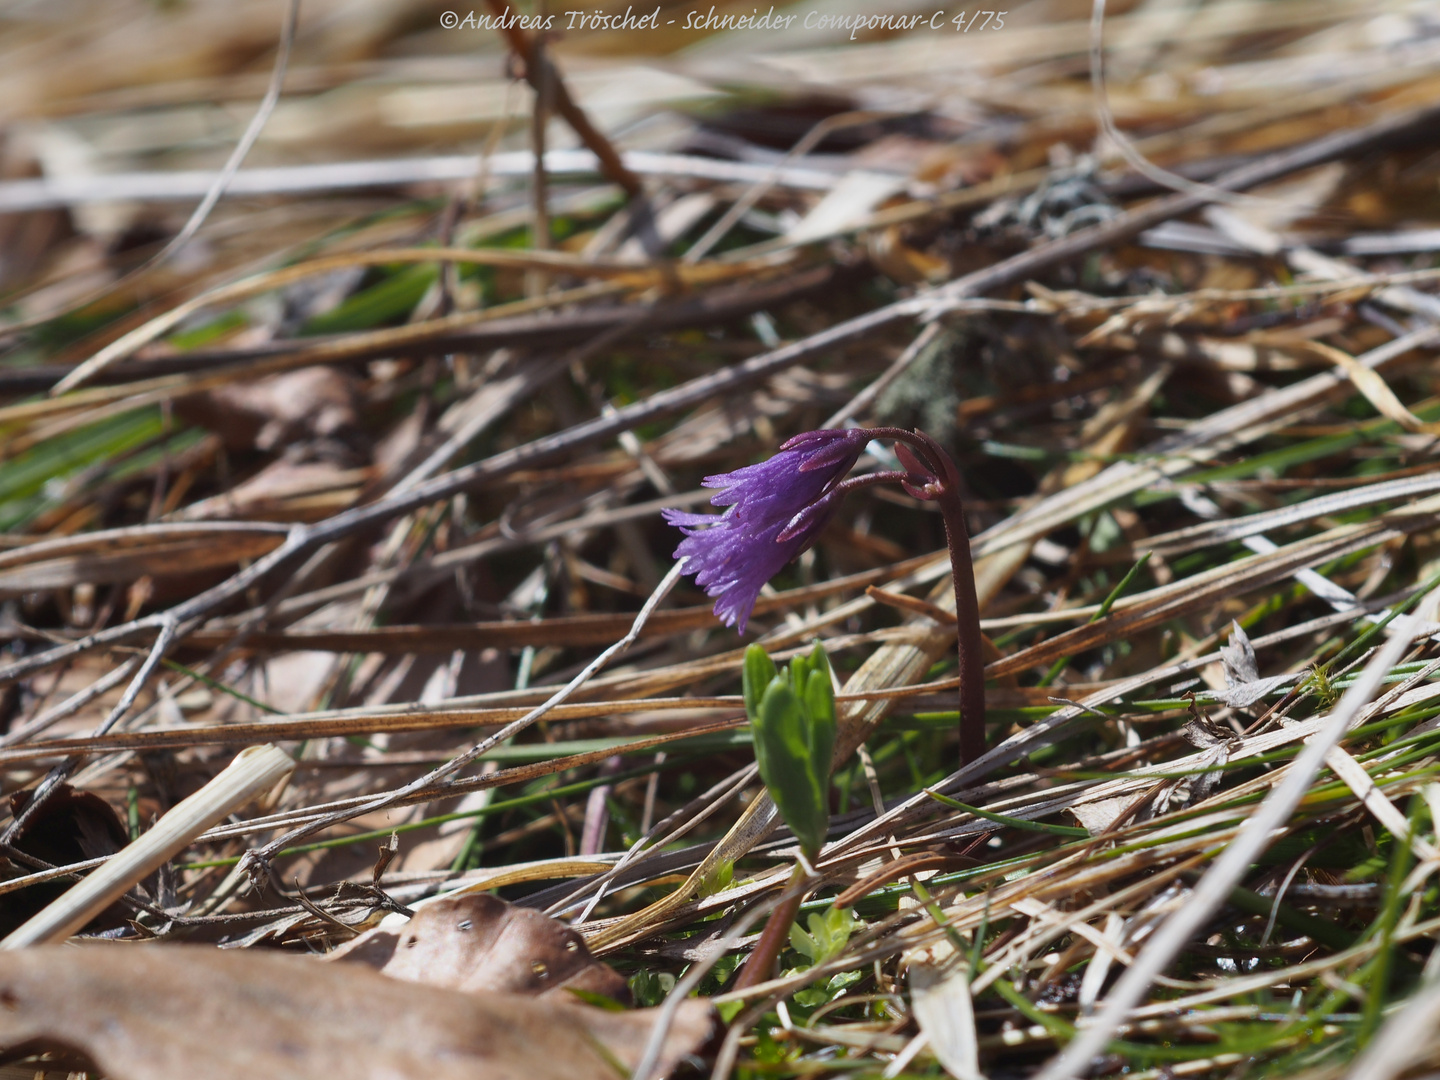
x,y
775,509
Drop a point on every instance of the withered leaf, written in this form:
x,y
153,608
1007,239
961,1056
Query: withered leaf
x,y
71,826
68,561
1241,664
268,413
174,1012
480,942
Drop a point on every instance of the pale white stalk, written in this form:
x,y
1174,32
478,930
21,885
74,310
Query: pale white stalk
x,y
254,771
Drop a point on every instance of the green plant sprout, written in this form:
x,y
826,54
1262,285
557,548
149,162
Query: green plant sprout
x,y
830,932
792,721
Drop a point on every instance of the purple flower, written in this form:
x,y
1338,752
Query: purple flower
x,y
774,511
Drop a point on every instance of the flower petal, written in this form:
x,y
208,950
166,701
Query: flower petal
x,y
774,510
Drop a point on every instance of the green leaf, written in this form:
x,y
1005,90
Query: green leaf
x,y
780,727
802,942
600,1001
651,988
830,931
819,704
718,880
815,996
386,301
792,718
819,660
765,735
757,675
782,750
798,672
1005,819
728,1010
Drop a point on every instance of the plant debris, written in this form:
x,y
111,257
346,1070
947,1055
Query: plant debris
x,y
165,1012
372,459
479,942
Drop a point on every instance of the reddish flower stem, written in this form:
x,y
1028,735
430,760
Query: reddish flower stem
x,y
946,493
943,486
761,965
826,503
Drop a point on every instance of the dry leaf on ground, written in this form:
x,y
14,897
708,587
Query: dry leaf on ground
x,y
273,412
479,942
177,1012
74,826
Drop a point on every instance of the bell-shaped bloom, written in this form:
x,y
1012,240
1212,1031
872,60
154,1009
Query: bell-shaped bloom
x,y
775,509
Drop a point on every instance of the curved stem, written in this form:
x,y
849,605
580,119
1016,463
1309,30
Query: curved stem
x,y
968,638
822,507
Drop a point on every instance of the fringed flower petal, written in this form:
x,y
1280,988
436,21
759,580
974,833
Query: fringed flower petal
x,y
734,554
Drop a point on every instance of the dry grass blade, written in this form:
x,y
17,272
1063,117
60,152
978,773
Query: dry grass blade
x,y
1215,887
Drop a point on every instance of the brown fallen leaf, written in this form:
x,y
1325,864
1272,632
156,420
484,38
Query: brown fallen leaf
x,y
480,942
71,826
268,413
901,262
174,1012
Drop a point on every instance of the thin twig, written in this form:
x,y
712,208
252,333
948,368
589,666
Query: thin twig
x,y
539,71
258,859
739,376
